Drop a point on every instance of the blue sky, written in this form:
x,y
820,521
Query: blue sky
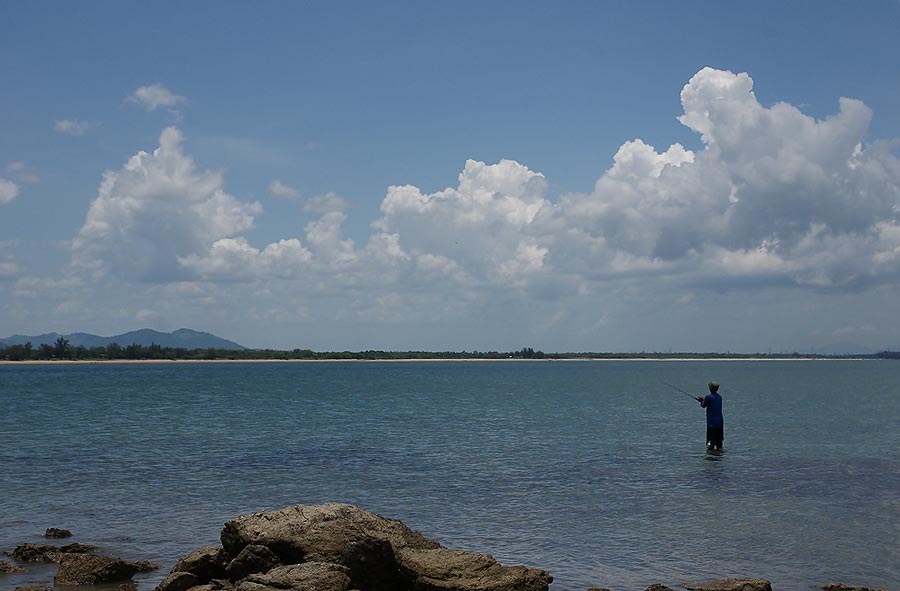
x,y
567,176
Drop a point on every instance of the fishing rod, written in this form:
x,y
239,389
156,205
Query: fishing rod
x,y
680,390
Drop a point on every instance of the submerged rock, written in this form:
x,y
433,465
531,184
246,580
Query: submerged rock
x,y
47,552
146,566
8,567
843,587
730,585
56,533
92,569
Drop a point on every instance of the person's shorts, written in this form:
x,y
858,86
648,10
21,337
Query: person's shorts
x,y
715,435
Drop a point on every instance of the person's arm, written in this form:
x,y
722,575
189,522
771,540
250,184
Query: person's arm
x,y
702,401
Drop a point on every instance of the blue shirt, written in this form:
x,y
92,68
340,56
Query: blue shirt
x,y
713,405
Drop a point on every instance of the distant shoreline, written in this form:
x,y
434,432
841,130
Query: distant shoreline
x,y
414,360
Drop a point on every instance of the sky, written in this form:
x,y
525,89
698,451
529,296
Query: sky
x,y
568,176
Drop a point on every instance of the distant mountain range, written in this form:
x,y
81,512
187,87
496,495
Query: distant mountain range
x,y
182,338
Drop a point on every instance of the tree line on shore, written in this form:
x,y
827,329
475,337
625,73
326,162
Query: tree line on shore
x,y
61,349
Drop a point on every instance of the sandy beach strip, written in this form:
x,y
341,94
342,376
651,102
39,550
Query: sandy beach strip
x,y
413,360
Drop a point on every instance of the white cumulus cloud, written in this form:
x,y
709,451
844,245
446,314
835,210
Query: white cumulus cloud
x,y
154,96
483,224
771,192
155,211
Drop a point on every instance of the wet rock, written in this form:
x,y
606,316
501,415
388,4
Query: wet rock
x,y
146,566
252,559
206,563
8,567
178,581
658,587
309,576
92,569
33,588
56,533
440,569
47,552
380,553
843,587
730,585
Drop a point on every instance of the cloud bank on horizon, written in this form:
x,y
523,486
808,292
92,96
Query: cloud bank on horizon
x,y
774,199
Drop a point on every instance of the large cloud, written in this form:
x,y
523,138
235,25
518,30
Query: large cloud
x,y
156,210
774,193
482,225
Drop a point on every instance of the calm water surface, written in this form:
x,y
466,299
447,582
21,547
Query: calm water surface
x,y
595,471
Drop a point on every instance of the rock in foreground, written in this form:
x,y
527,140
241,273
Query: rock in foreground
x,y
336,547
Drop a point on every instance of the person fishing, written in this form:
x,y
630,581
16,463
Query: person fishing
x,y
715,422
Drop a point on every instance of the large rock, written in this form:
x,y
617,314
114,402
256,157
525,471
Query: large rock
x,y
381,554
92,569
322,533
843,587
309,576
730,585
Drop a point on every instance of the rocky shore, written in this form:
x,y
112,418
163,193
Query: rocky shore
x,y
330,547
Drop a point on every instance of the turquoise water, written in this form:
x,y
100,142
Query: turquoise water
x,y
595,471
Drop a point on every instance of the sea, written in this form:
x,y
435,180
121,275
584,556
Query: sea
x,y
595,471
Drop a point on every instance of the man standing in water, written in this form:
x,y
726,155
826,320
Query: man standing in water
x,y
715,422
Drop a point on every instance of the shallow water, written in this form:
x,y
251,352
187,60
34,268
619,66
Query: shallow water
x,y
595,471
